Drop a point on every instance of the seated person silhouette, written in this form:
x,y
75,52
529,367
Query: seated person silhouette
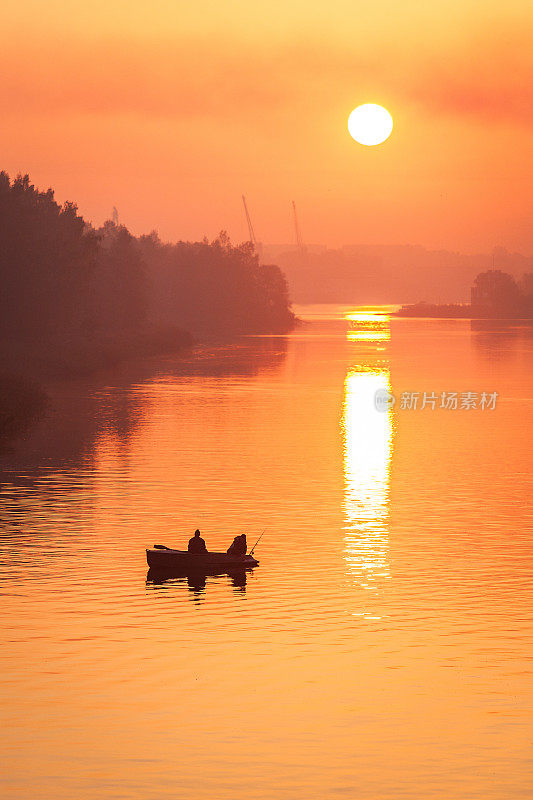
x,y
197,544
238,547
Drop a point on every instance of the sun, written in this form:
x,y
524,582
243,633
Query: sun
x,y
370,124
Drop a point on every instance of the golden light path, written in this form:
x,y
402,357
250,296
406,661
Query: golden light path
x,y
368,445
370,124
366,326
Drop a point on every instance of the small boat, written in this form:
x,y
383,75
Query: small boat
x,y
165,559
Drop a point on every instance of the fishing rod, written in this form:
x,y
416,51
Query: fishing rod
x,y
255,545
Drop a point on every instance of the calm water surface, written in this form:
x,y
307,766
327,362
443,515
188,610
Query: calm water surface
x,y
382,649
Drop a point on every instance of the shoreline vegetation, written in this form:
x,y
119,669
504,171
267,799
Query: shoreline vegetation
x,y
435,310
454,311
494,295
76,300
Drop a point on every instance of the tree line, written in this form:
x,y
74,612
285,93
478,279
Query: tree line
x,y
74,292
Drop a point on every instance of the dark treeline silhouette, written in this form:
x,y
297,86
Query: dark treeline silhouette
x,y
48,262
75,299
64,282
498,294
215,287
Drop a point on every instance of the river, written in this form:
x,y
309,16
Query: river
x,y
381,650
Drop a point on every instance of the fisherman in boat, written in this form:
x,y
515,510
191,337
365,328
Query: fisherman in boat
x,y
197,544
238,547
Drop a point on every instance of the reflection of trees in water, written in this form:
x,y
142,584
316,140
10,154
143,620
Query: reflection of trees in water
x,y
500,338
247,356
65,435
22,403
80,412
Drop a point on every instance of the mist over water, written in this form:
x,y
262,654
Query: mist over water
x,y
381,650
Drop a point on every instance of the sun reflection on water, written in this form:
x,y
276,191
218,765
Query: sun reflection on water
x,y
368,445
365,326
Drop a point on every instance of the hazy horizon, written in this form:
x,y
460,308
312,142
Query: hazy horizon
x,y
170,113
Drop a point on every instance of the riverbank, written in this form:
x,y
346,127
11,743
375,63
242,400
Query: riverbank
x,y
451,311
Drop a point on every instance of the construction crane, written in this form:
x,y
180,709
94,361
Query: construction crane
x,y
302,249
258,247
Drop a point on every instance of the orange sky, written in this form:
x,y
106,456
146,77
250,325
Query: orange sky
x,y
172,110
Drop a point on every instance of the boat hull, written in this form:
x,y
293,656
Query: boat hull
x,y
181,560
